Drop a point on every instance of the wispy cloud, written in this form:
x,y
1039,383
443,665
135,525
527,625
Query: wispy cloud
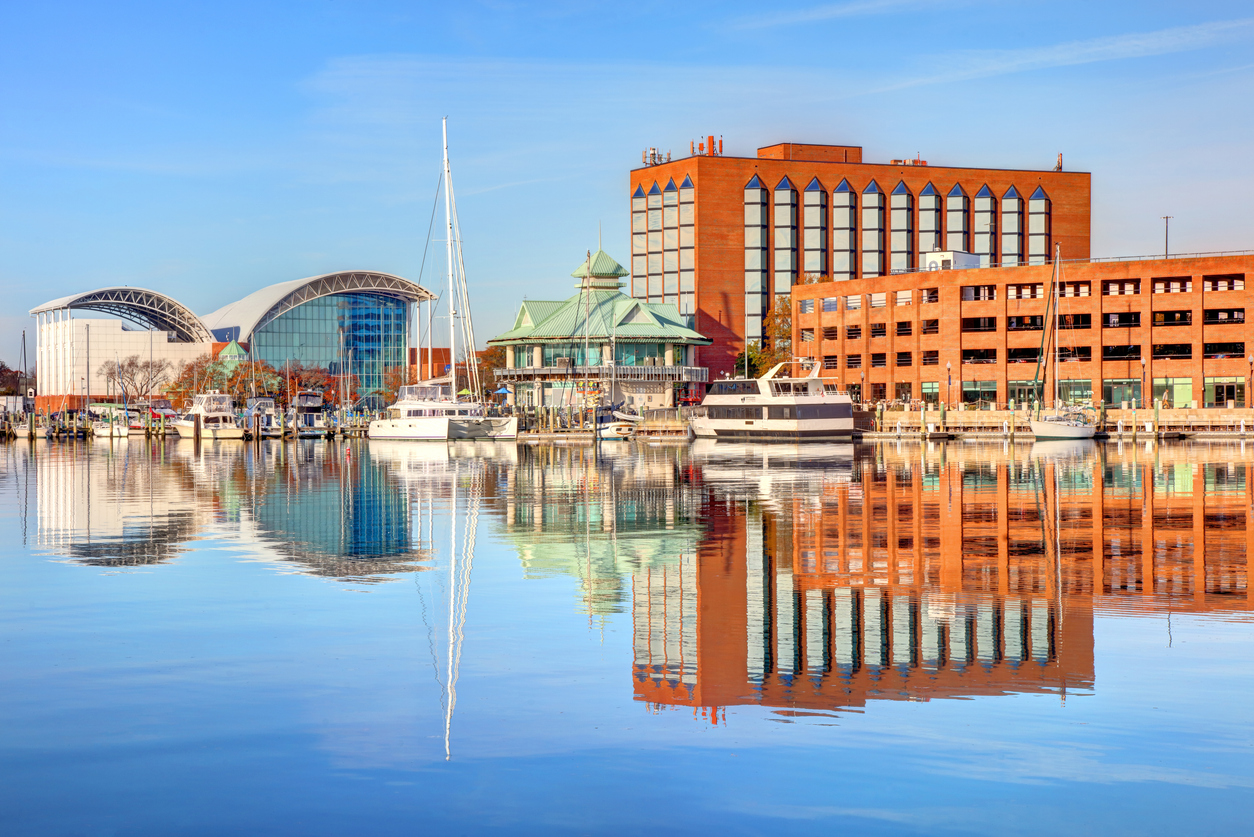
x,y
829,11
967,65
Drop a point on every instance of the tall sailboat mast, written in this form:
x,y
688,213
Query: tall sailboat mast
x,y
1057,290
448,249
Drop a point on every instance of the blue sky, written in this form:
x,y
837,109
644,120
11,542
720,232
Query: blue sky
x,y
204,150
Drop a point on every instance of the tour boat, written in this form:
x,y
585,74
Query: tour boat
x,y
775,408
217,418
1063,424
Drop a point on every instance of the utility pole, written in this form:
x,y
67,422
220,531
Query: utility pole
x,y
1166,236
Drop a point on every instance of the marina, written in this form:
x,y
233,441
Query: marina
x,y
957,617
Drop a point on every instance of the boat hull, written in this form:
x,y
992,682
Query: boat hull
x,y
483,427
773,430
187,430
1042,429
425,428
616,430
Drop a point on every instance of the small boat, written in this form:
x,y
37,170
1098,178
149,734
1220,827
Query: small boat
x,y
309,418
261,415
217,418
775,409
118,429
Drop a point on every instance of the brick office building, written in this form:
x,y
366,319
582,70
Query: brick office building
x,y
720,237
1175,325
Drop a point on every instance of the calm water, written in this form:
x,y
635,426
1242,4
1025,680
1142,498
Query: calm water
x,y
401,638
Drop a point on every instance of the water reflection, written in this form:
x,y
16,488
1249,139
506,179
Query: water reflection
x,y
806,579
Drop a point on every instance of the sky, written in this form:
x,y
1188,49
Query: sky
x,y
206,150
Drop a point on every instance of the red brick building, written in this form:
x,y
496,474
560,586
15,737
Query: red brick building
x,y
721,237
1177,325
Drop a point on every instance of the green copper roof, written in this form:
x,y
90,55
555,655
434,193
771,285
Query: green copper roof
x,y
601,265
600,314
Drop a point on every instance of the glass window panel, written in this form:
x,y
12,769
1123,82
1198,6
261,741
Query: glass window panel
x,y
755,237
655,263
687,237
755,215
655,201
638,222
639,265
687,282
655,219
670,260
671,283
639,243
687,213
670,216
670,197
637,204
655,284
755,259
687,259
655,241
687,195
670,239
755,281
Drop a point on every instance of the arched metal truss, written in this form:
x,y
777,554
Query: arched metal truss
x,y
140,306
357,281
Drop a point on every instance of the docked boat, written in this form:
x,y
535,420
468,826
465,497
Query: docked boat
x,y
1063,424
429,411
309,418
433,409
775,408
217,418
262,417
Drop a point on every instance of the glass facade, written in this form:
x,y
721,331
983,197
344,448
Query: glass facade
x,y
1078,392
687,247
1038,227
1222,391
653,214
844,231
639,244
670,245
901,225
815,229
755,258
985,227
1173,392
872,231
785,237
367,333
1118,391
956,220
929,219
1011,227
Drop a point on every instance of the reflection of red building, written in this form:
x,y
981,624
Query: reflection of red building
x,y
924,579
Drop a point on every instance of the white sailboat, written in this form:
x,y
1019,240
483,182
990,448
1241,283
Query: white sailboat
x,y
1061,424
434,409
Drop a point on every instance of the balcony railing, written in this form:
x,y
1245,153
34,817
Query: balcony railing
x,y
688,374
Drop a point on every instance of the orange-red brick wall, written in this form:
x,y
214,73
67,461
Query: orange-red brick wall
x,y
950,310
719,218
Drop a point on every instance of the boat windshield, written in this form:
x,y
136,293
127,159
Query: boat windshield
x,y
215,403
421,392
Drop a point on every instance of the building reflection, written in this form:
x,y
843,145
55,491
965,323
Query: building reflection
x,y
915,573
307,507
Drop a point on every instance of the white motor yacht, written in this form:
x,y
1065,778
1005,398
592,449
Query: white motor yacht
x,y
217,418
775,408
429,411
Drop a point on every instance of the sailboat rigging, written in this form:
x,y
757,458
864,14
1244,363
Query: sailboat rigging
x,y
1070,424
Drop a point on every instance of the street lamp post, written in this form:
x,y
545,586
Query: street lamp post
x,y
1142,383
949,384
1249,380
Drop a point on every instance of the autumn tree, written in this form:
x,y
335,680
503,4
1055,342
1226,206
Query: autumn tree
x,y
490,360
777,327
755,368
394,378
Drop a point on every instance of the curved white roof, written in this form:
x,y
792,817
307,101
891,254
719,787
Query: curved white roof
x,y
140,306
239,320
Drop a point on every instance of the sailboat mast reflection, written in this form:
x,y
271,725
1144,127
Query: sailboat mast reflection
x,y
461,564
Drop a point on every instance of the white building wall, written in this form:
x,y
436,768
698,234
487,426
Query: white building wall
x,y
63,361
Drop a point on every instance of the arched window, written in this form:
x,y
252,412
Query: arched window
x,y
901,224
844,231
639,244
985,227
670,243
687,247
1011,227
785,237
814,224
655,243
1038,227
956,227
929,219
872,230
755,257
